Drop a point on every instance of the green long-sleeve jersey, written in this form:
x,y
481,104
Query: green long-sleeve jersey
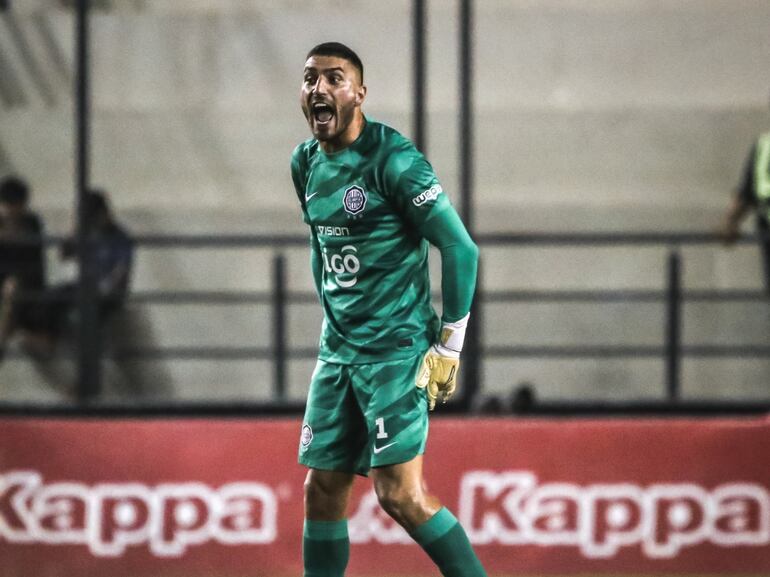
x,y
372,208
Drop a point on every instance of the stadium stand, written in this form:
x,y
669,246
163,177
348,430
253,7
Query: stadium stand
x,y
595,116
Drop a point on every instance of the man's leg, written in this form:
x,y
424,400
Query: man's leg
x,y
325,543
401,491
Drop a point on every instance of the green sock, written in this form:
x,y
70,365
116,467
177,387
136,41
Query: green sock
x,y
444,540
325,548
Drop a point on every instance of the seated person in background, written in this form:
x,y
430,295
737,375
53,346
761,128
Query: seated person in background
x,y
752,195
22,263
113,259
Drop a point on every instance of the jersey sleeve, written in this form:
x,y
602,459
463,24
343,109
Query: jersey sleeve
x,y
412,186
299,178
417,195
459,262
316,263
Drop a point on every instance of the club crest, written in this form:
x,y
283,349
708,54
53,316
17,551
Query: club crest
x,y
354,200
307,435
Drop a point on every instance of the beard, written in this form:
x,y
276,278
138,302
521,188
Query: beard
x,y
335,126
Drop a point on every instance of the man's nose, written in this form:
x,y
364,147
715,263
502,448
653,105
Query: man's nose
x,y
320,85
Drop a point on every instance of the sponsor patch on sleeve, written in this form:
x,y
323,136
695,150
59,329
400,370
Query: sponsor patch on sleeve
x,y
427,195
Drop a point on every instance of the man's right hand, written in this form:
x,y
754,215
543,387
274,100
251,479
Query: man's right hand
x,y
729,232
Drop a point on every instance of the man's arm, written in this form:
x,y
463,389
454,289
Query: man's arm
x,y
459,262
316,262
412,187
731,224
297,177
740,204
459,266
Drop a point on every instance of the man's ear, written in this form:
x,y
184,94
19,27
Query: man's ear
x,y
360,95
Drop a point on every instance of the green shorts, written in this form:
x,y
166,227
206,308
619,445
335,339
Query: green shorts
x,y
363,416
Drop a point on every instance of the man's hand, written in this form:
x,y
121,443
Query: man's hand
x,y
729,232
730,228
438,374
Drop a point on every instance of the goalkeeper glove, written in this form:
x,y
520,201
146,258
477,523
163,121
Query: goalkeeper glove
x,y
438,372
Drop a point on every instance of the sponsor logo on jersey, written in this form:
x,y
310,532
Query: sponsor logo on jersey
x,y
333,230
427,195
343,265
307,435
354,200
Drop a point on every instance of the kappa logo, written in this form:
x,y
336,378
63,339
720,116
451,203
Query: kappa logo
x,y
354,200
112,518
514,508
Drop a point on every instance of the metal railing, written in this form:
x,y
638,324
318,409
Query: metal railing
x,y
279,298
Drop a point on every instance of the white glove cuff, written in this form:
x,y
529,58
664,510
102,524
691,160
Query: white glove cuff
x,y
452,337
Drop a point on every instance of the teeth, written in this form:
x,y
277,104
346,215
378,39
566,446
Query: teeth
x,y
322,112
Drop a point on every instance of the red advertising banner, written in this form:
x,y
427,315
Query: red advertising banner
x,y
192,497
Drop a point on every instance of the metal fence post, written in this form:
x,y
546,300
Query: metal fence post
x,y
279,327
418,41
466,113
673,325
471,371
473,351
89,337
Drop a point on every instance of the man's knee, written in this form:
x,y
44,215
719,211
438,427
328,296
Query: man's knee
x,y
326,493
399,501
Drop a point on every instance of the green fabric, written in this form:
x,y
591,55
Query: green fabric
x,y
762,169
459,262
326,530
315,264
325,548
368,207
435,527
445,542
363,416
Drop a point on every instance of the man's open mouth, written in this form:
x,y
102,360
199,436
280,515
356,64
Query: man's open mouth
x,y
322,112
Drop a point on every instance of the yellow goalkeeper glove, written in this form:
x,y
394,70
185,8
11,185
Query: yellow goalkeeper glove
x,y
438,372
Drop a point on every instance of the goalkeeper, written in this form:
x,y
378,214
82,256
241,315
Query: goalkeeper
x,y
373,203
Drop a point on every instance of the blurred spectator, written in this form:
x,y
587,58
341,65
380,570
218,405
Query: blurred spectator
x,y
113,258
22,263
488,405
753,193
523,398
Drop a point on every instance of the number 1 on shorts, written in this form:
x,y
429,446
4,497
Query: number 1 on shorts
x,y
380,422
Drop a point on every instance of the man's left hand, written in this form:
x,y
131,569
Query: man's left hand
x,y
438,374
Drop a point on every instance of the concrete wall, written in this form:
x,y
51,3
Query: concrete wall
x,y
591,115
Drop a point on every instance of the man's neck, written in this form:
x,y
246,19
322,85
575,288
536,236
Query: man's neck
x,y
351,134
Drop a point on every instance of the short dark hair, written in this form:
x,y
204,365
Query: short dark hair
x,y
14,190
340,51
